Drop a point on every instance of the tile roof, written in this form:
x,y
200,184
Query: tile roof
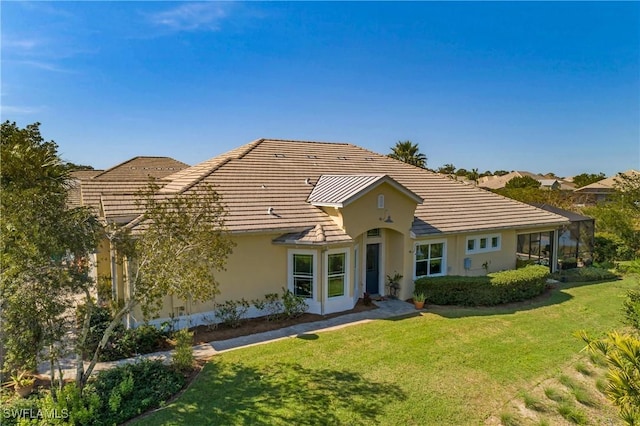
x,y
340,190
142,168
264,186
607,184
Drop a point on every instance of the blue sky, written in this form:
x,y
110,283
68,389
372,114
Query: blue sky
x,y
542,86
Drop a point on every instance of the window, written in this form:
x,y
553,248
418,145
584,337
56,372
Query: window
x,y
430,259
303,276
336,266
483,243
381,201
372,233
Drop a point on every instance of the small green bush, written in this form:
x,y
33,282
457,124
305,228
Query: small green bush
x,y
631,307
13,409
183,359
493,289
293,305
232,312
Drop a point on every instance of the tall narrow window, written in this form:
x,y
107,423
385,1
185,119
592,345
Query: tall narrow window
x,y
336,264
381,201
303,275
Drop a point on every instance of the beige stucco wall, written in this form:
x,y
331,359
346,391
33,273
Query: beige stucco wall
x,y
363,214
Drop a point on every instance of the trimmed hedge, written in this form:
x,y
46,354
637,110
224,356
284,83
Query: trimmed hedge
x,y
493,289
586,274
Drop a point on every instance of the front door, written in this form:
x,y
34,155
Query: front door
x,y
373,268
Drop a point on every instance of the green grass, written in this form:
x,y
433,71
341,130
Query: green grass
x,y
555,395
572,413
533,402
448,366
583,369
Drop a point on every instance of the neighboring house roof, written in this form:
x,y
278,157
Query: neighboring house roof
x,y
341,190
606,185
498,182
142,168
265,187
119,185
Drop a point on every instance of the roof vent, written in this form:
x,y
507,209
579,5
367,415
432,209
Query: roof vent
x,y
368,158
307,181
270,211
279,155
342,158
312,156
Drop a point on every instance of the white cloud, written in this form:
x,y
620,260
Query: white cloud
x,y
23,44
46,66
10,109
192,16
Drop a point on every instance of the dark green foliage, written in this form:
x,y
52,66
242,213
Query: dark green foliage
x,y
11,409
124,343
493,289
608,247
584,179
586,274
522,182
132,389
232,312
183,359
409,153
115,396
631,306
572,413
293,305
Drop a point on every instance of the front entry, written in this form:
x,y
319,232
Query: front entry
x,y
373,268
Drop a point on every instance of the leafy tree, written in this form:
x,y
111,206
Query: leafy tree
x,y
44,245
462,172
409,153
473,175
175,248
73,166
584,179
522,182
560,199
447,169
501,172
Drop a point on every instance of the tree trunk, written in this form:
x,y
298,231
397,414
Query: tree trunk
x,y
105,339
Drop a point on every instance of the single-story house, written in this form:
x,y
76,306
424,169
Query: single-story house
x,y
330,221
600,191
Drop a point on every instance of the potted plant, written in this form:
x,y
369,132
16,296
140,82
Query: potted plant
x,y
418,299
393,283
21,383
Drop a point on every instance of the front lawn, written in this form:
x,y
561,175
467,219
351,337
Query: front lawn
x,y
447,366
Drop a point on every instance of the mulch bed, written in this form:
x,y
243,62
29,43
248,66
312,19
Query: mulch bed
x,y
203,334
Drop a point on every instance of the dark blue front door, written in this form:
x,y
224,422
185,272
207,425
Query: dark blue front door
x,y
373,268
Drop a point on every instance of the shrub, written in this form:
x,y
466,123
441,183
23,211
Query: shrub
x,y
231,312
183,355
13,409
131,389
572,413
609,247
293,305
493,289
72,406
124,343
271,305
587,274
631,307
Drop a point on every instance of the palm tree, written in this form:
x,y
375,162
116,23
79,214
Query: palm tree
x,y
409,153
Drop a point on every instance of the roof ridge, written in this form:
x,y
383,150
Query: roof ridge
x,y
305,141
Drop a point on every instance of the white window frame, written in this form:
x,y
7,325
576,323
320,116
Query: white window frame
x,y
381,201
444,257
489,243
314,276
345,273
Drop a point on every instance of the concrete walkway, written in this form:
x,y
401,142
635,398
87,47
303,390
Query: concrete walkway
x,y
386,309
